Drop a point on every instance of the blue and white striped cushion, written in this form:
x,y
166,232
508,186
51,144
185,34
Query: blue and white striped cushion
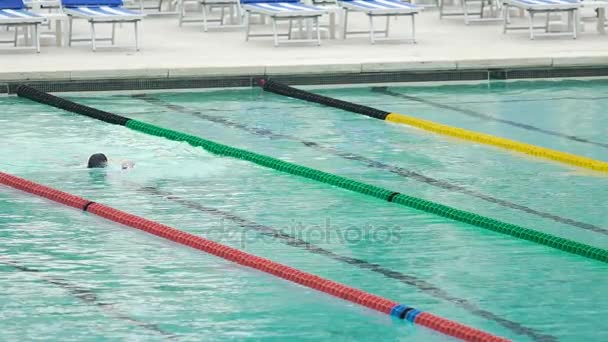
x,y
18,14
104,11
381,4
284,7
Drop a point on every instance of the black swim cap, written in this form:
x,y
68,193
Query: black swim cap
x,y
97,160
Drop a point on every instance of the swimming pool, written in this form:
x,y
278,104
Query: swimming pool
x,y
96,280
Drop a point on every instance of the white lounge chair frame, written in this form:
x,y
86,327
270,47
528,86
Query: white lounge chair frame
x,y
570,8
93,20
494,6
233,6
333,10
600,6
371,14
25,23
156,10
313,14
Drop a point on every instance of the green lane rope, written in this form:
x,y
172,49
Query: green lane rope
x,y
378,192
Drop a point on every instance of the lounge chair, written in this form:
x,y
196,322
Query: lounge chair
x,y
14,14
233,6
101,12
379,8
547,7
599,7
493,5
287,10
333,10
152,7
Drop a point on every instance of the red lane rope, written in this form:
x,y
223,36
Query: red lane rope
x,y
333,288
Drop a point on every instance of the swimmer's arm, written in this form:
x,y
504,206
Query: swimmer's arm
x,y
127,164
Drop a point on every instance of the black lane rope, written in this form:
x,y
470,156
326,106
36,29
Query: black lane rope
x,y
87,296
475,114
407,279
278,88
375,164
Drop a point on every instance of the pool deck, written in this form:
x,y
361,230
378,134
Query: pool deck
x,y
169,51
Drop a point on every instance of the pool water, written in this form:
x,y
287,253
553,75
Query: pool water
x,y
68,275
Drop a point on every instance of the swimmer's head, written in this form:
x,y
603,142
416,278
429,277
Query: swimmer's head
x,y
97,160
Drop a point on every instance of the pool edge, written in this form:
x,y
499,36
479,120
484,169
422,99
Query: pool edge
x,y
486,70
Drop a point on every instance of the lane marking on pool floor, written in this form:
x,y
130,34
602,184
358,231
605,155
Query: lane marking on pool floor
x,y
438,128
410,280
85,295
535,99
371,163
479,115
480,221
347,293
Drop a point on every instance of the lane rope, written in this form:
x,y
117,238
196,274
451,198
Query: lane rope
x,y
479,115
371,163
520,232
407,279
353,295
431,126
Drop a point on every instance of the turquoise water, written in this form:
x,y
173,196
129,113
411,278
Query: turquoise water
x,y
72,276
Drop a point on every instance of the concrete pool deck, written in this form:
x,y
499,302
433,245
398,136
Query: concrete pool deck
x,y
169,51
